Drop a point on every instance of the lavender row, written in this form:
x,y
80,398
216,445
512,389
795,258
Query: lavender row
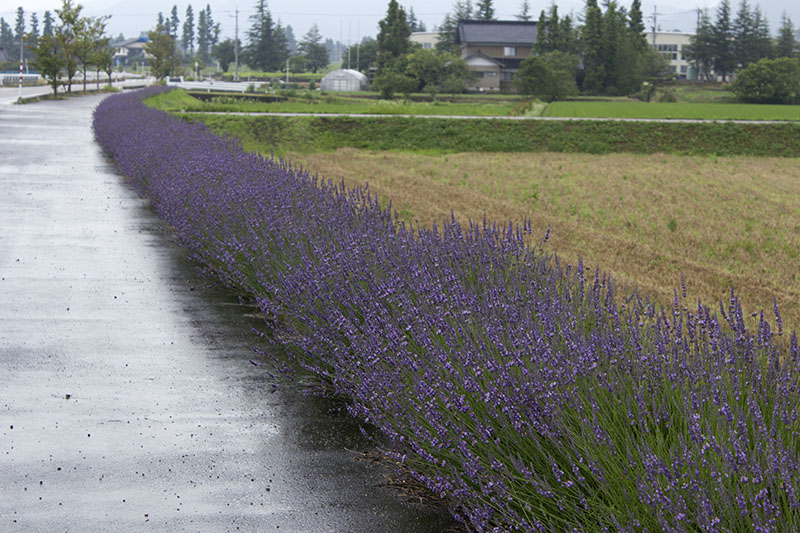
x,y
527,393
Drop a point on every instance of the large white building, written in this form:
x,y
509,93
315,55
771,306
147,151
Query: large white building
x,y
674,46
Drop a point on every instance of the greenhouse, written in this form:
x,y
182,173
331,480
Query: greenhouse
x,y
344,80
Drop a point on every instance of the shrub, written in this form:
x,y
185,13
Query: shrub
x,y
548,77
770,81
530,395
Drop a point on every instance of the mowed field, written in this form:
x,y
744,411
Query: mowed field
x,y
722,222
645,218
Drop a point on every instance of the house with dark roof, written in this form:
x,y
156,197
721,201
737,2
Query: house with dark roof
x,y
494,49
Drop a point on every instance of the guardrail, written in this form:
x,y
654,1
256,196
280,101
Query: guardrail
x,y
12,79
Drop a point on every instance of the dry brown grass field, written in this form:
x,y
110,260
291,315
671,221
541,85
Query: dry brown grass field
x,y
645,219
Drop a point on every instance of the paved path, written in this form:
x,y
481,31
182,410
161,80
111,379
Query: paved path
x,y
128,401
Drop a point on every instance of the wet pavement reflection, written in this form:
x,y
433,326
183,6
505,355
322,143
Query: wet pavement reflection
x,y
128,397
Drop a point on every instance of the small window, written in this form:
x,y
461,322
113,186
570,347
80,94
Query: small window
x,y
509,51
491,74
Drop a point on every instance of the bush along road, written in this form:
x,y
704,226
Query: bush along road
x,y
526,392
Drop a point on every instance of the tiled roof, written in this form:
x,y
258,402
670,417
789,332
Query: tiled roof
x,y
499,32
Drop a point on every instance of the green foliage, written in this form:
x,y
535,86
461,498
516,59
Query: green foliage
x,y
548,77
393,42
770,81
267,47
224,53
434,69
390,82
161,49
430,135
313,49
361,56
786,45
448,29
48,59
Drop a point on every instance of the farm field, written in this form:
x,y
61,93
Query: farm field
x,y
485,105
676,110
721,221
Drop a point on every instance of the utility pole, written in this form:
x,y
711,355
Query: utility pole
x,y
236,47
21,60
654,18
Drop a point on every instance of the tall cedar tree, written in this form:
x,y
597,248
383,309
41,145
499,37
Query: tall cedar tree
x,y
313,50
743,35
592,35
724,60
393,39
47,29
33,35
524,12
174,22
187,39
701,46
485,10
448,29
266,49
202,35
6,37
19,31
786,45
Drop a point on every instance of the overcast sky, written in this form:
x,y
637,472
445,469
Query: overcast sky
x,y
353,18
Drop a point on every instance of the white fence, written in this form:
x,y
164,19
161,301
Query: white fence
x,y
12,79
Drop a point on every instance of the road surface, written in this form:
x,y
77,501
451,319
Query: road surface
x,y
129,401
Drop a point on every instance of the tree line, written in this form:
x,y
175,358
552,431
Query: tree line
x,y
729,43
67,44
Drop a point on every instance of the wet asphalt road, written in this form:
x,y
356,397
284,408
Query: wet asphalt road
x,y
128,401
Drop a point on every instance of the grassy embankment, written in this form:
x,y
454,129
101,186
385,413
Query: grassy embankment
x,y
489,105
720,220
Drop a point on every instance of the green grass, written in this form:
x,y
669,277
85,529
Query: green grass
x,y
687,110
310,102
432,135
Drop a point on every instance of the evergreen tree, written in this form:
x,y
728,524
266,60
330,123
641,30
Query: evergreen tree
x,y
48,24
524,12
266,48
592,39
314,51
448,29
786,44
763,46
160,22
202,35
743,35
636,23
701,45
6,37
33,35
393,42
485,10
160,50
174,23
724,60
212,28
187,38
19,32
